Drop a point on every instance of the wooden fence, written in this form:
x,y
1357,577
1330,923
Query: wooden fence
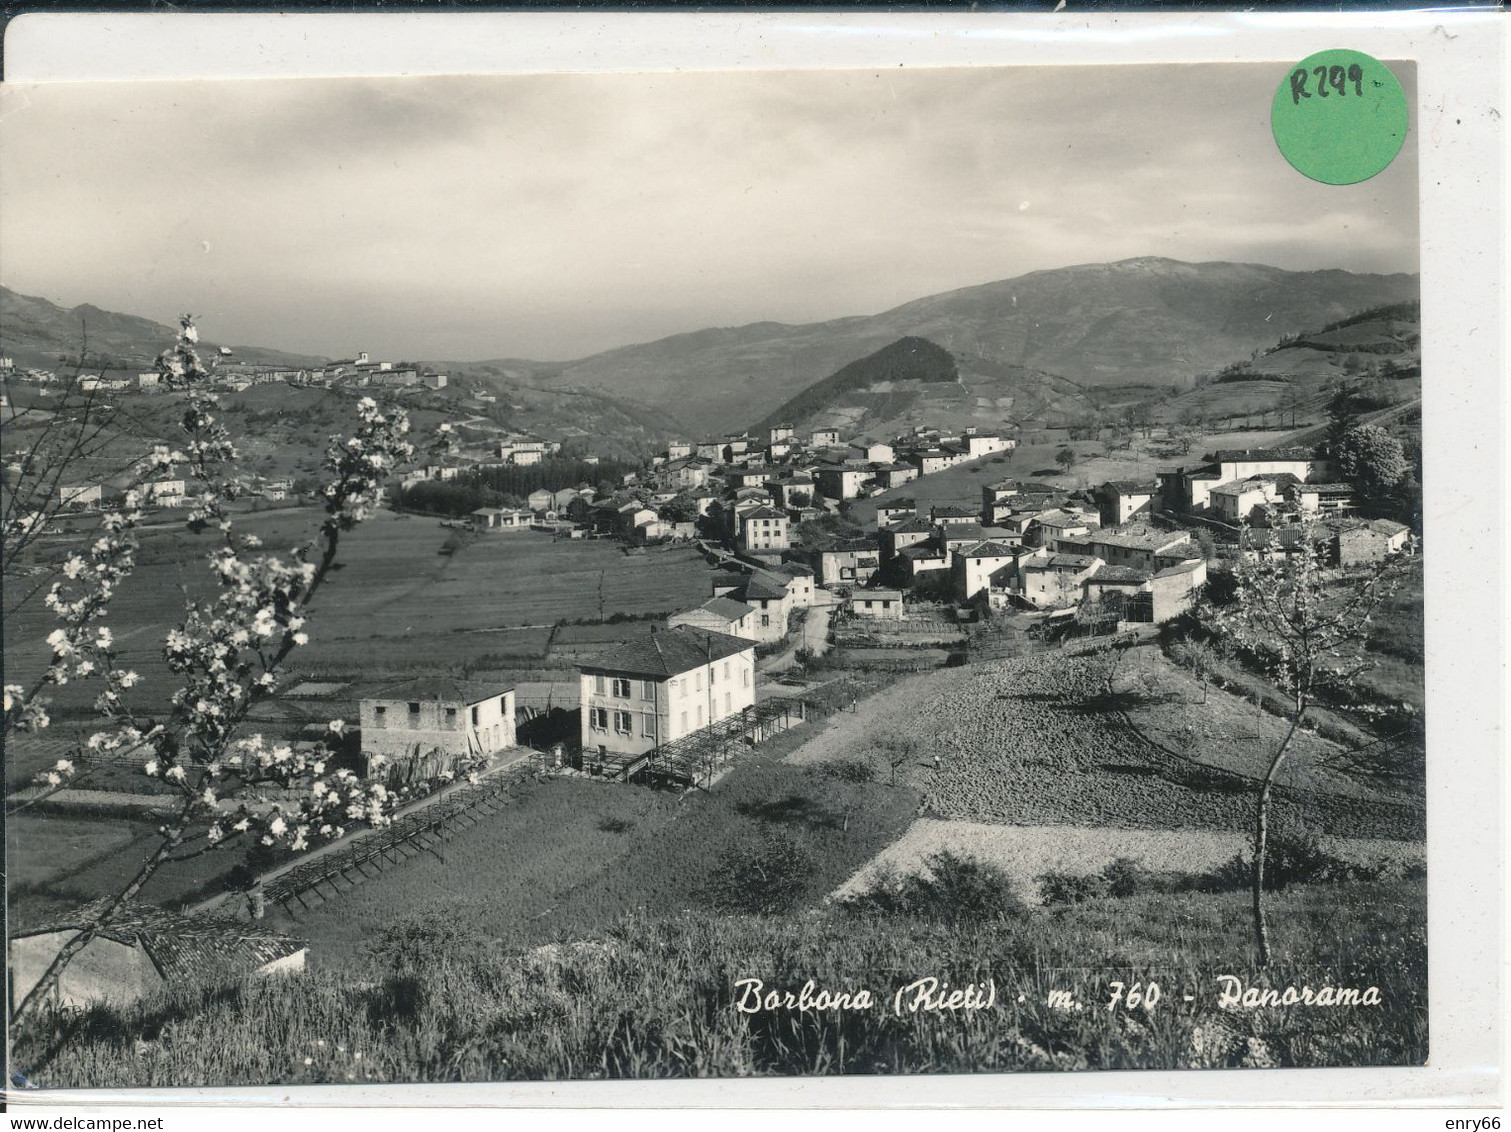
x,y
423,830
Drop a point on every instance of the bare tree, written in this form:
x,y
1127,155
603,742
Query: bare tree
x,y
1307,627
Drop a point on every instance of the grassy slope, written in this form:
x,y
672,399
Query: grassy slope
x,y
654,999
573,854
397,606
1027,742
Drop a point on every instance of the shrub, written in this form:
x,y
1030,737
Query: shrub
x,y
1071,888
768,875
849,770
1125,877
955,889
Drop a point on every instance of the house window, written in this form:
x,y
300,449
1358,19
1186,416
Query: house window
x,y
474,717
886,605
700,715
598,685
765,620
503,704
697,681
727,708
598,718
622,689
648,691
712,676
744,677
624,722
683,723
414,715
382,716
648,725
726,670
451,719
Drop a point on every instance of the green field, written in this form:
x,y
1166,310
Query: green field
x,y
397,606
571,855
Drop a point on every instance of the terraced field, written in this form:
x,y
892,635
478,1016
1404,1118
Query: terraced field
x,y
1035,741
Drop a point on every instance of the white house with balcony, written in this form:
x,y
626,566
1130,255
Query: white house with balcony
x,y
663,686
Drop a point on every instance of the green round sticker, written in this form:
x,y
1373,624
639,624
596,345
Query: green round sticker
x,y
1339,116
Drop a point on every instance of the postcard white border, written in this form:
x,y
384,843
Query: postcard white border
x,y
1462,82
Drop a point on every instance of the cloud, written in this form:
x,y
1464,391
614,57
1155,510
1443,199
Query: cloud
x,y
558,215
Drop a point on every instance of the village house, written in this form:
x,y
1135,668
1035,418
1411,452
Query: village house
x,y
893,510
435,380
841,481
433,723
777,433
1362,543
895,475
1142,548
164,493
951,513
1240,502
1322,499
909,531
1120,500
764,528
973,567
956,536
799,582
985,443
1188,491
678,450
918,559
796,490
882,605
1048,528
79,494
142,951
823,438
848,563
663,686
1054,581
874,453
542,500
710,450
501,518
719,615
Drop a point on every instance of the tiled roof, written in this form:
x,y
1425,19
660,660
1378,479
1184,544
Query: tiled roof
x,y
1387,526
1131,487
921,550
1126,574
1078,561
1057,517
1327,488
912,525
726,607
1137,538
765,513
1179,568
669,653
763,586
952,509
990,550
441,689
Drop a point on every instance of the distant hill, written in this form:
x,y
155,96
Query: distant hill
x,y
37,333
915,381
1378,351
1138,321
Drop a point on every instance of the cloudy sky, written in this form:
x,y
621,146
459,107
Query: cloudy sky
x,y
554,216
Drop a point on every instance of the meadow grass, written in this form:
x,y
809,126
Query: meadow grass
x,y
655,998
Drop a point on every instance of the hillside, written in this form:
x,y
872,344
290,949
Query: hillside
x,y
1287,382
1145,320
914,381
36,333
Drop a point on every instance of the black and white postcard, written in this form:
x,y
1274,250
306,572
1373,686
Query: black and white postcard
x,y
716,573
